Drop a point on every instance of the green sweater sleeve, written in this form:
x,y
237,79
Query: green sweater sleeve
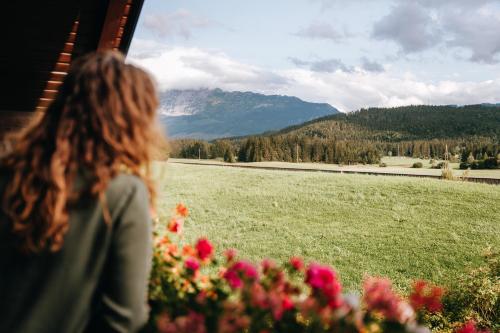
x,y
123,296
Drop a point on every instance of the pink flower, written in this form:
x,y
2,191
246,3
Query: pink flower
x,y
425,296
379,296
204,248
240,271
191,323
192,264
324,280
233,279
297,263
249,271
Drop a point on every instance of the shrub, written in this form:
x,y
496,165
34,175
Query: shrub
x,y
417,165
439,165
489,163
190,291
229,156
447,172
474,297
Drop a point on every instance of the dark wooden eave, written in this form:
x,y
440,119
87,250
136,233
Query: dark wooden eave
x,y
41,38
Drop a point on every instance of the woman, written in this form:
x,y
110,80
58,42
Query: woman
x,y
75,229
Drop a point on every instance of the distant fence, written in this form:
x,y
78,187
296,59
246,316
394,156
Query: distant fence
x,y
492,181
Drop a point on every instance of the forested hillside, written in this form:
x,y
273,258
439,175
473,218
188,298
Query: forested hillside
x,y
407,123
366,135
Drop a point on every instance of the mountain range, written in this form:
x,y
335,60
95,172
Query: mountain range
x,y
214,113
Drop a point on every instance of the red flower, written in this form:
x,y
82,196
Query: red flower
x,y
425,296
470,327
192,264
247,269
240,271
181,210
324,280
297,263
175,225
279,305
204,249
233,279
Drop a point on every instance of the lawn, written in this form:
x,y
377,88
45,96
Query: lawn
x,y
400,227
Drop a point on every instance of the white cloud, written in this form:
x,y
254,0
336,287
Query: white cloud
x,y
186,68
322,65
179,23
465,25
321,30
409,25
183,68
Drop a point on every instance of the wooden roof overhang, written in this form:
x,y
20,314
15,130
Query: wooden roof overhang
x,y
39,39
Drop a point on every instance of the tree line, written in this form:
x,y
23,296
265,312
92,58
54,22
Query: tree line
x,y
431,132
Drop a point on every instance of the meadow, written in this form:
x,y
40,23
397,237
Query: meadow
x,y
401,227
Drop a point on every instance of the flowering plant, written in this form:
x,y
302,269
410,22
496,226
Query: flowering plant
x,y
191,291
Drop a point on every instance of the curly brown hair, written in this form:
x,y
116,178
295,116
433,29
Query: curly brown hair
x,y
100,124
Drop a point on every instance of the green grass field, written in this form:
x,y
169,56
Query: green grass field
x,y
403,228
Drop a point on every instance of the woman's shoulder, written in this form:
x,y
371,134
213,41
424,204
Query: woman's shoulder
x,y
124,188
125,183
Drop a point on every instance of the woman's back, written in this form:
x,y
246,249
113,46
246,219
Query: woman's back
x,y
82,287
76,192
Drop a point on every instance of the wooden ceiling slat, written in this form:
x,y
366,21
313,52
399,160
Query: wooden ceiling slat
x,y
58,76
61,67
68,47
123,21
126,11
49,94
53,85
71,37
64,57
44,102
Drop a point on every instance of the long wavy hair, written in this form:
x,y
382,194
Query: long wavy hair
x,y
102,122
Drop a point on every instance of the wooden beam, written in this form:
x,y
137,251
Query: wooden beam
x,y
112,23
132,12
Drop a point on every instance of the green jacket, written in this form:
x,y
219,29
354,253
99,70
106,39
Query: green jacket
x,y
97,282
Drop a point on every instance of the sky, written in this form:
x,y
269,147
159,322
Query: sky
x,y
351,54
